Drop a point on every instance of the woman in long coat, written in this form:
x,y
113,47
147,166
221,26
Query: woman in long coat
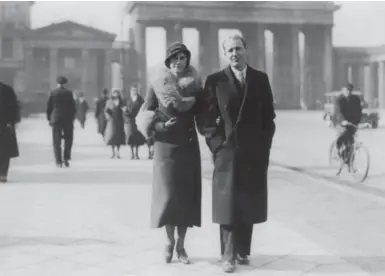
x,y
9,116
81,110
133,137
173,99
114,135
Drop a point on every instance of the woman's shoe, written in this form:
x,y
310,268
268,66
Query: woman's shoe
x,y
169,253
182,256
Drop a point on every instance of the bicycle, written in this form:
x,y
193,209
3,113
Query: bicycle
x,y
348,155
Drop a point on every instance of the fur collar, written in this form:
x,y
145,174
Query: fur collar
x,y
177,92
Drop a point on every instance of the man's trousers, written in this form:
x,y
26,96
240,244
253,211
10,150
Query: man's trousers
x,y
65,131
235,239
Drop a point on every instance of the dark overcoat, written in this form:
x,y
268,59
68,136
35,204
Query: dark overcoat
x,y
81,110
114,132
61,106
176,190
133,136
99,114
240,150
9,116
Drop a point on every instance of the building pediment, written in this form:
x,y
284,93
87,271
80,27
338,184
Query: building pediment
x,y
69,30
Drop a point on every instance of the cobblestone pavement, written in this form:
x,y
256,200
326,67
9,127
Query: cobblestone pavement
x,y
93,218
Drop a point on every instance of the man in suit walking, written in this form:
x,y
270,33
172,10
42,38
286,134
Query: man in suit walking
x,y
9,117
238,124
61,111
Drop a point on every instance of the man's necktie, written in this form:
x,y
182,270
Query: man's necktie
x,y
242,79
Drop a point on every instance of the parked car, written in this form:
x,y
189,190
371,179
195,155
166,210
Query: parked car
x,y
370,116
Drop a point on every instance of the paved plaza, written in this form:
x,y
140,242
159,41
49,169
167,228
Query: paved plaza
x,y
92,219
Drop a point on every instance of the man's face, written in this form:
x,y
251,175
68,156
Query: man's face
x,y
345,91
235,53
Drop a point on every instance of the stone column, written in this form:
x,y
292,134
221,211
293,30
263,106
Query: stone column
x,y
381,84
286,68
254,36
28,55
140,47
374,84
85,56
1,46
108,69
360,85
315,86
53,54
173,32
328,59
208,53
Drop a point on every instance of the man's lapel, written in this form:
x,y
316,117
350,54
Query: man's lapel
x,y
233,90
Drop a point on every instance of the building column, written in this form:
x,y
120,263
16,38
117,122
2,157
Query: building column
x,y
381,84
254,36
286,67
140,47
28,55
209,49
85,56
53,54
108,69
374,84
315,85
173,33
328,58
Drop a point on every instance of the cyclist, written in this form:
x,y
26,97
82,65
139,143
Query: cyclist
x,y
348,109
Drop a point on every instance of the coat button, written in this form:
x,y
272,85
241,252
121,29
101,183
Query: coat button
x,y
190,140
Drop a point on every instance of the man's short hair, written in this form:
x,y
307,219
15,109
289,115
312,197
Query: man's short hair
x,y
349,86
234,37
61,80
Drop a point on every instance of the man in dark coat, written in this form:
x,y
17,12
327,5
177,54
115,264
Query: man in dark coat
x,y
238,124
61,111
81,110
347,108
99,112
9,116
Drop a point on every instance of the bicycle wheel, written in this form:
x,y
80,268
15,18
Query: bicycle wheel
x,y
359,163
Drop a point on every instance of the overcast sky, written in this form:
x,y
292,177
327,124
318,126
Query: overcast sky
x,y
356,23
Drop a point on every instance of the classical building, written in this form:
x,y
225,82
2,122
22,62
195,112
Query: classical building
x,y
364,67
285,20
31,59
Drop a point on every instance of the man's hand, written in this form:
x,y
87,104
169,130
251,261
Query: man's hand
x,y
218,120
170,122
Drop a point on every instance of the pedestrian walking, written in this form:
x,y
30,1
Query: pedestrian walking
x,y
100,117
238,123
61,111
114,135
134,138
81,110
9,117
172,100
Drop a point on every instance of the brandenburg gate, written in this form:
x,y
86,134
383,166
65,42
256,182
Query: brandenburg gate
x,y
285,20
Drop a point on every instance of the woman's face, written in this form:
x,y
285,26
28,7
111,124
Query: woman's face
x,y
134,92
178,63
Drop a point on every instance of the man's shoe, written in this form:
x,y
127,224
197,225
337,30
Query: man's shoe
x,y
228,266
59,165
66,163
3,179
243,260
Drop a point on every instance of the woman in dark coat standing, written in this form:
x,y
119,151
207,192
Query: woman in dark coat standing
x,y
114,135
172,100
9,116
133,137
